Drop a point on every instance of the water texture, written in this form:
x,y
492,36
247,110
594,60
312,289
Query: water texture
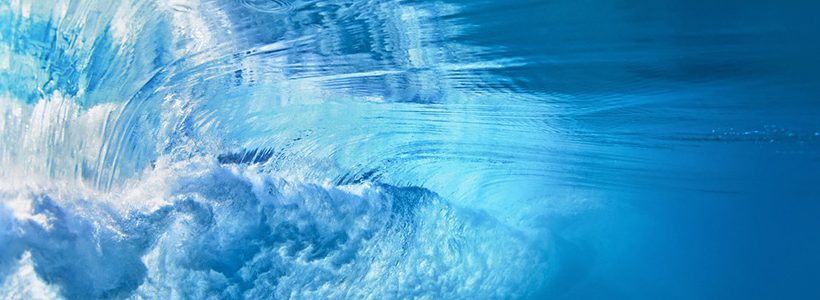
x,y
374,149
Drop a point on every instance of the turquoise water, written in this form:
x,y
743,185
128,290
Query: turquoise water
x,y
228,149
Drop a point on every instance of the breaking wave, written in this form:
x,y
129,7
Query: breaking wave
x,y
257,149
431,149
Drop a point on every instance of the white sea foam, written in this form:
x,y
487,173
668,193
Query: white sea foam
x,y
231,231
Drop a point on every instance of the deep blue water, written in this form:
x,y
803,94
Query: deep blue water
x,y
277,149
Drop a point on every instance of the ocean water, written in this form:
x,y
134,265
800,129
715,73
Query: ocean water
x,y
431,149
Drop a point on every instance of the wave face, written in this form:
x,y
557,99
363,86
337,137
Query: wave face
x,y
258,149
250,149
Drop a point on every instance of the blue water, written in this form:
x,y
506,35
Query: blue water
x,y
295,149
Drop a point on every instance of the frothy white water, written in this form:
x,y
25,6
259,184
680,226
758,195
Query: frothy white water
x,y
232,231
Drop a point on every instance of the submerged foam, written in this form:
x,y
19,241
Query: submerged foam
x,y
230,231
